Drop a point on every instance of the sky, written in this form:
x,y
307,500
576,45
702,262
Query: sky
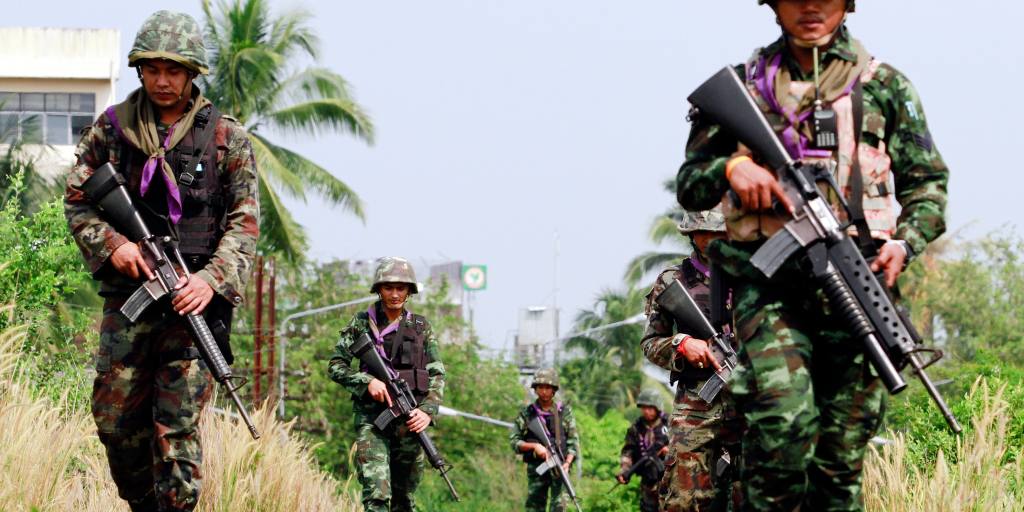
x,y
500,124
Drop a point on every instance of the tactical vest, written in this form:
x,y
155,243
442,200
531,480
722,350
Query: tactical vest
x,y
406,351
645,438
879,200
204,203
700,289
549,424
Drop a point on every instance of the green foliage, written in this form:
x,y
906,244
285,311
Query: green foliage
x,y
914,414
254,78
40,269
609,375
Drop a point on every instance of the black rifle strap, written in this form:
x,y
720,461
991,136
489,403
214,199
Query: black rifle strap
x,y
556,418
719,298
856,202
201,141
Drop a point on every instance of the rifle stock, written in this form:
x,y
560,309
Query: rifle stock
x,y
676,299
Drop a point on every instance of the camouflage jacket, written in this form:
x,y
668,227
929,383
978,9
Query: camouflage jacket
x,y
520,433
660,335
231,265
344,368
641,437
892,114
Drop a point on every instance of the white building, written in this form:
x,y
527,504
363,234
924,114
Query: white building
x,y
53,83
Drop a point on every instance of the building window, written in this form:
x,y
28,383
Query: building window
x,y
45,118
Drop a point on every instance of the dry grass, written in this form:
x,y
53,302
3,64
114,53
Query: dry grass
x,y
51,460
979,481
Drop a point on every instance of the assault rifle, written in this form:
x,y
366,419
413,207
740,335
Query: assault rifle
x,y
854,292
649,457
105,190
555,458
676,299
403,403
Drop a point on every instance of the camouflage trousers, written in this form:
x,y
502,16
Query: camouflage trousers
x,y
147,398
390,466
809,400
649,496
542,489
701,473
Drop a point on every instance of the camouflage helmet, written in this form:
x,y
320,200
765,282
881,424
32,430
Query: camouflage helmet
x,y
545,376
707,220
392,269
851,5
650,398
173,36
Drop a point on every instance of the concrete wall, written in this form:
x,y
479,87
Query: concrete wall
x,y
60,60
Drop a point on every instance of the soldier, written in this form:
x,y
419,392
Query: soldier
x,y
809,424
648,435
700,472
561,426
191,173
390,463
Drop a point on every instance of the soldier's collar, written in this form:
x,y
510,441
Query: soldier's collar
x,y
841,48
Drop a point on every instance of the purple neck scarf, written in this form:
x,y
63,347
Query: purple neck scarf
x,y
153,164
797,144
378,335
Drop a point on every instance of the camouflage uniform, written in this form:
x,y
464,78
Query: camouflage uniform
x,y
150,385
702,434
808,425
641,438
389,463
540,487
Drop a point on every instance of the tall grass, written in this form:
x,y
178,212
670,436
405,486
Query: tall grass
x,y
979,480
51,460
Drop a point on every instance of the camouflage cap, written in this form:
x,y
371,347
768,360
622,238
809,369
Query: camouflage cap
x,y
707,220
393,269
650,398
173,36
851,5
545,376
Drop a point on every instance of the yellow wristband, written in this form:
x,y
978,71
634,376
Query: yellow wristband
x,y
732,163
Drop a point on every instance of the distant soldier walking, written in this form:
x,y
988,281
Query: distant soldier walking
x,y
560,423
390,462
646,444
190,172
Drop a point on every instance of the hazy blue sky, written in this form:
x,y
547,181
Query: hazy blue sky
x,y
502,122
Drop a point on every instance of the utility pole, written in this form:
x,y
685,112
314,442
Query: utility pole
x,y
257,333
271,332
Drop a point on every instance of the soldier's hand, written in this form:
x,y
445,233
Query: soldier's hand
x,y
663,451
621,479
378,391
698,353
755,186
565,467
191,295
127,259
418,421
890,260
540,451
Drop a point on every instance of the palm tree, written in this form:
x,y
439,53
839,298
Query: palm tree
x,y
610,375
663,229
254,80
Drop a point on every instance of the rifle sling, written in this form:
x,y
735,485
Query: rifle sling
x,y
867,245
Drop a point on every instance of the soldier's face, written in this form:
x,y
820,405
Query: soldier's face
x,y
810,20
544,392
649,412
394,295
701,239
165,82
